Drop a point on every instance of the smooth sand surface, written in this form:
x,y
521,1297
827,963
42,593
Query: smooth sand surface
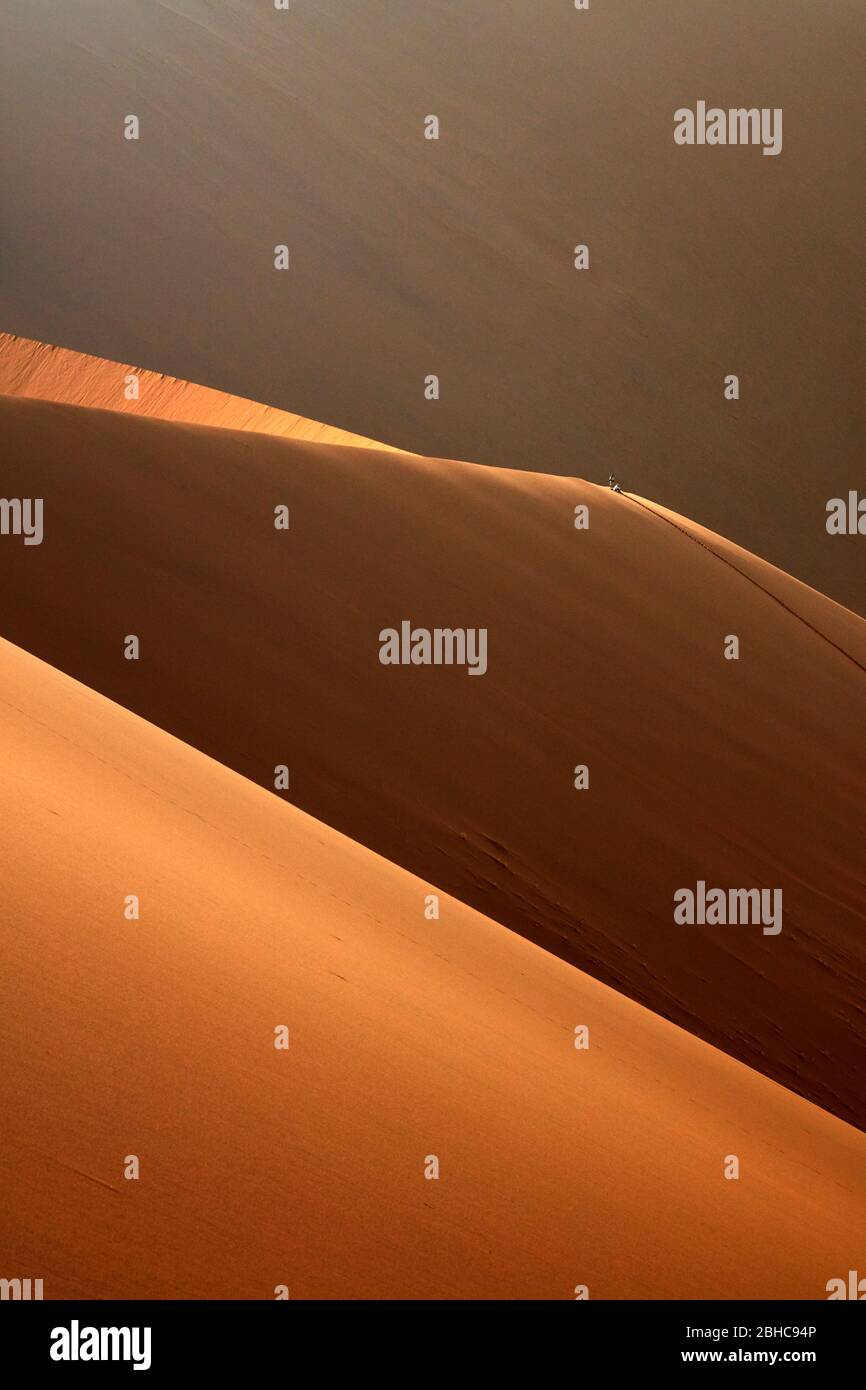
x,y
41,371
455,257
408,1038
605,648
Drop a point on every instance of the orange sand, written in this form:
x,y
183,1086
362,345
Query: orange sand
x,y
32,369
605,648
408,1037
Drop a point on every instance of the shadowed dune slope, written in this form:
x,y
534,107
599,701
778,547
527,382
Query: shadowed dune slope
x,y
32,369
456,256
605,648
408,1038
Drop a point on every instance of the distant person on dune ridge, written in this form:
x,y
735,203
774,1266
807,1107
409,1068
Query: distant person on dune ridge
x,y
613,484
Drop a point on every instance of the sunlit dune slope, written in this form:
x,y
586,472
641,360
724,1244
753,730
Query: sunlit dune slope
x,y
408,1038
605,649
32,369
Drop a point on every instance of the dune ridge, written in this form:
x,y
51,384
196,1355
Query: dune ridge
x,y
606,650
407,1038
457,256
716,546
38,370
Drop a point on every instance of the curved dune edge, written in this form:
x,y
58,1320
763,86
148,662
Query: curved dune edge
x,y
605,649
408,1037
38,370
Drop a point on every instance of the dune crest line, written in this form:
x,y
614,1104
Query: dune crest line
x,y
794,614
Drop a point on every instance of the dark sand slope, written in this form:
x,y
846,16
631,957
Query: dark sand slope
x,y
407,1038
455,257
605,648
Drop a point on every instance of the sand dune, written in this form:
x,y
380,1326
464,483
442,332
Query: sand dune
x,y
455,257
408,1038
605,648
38,370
